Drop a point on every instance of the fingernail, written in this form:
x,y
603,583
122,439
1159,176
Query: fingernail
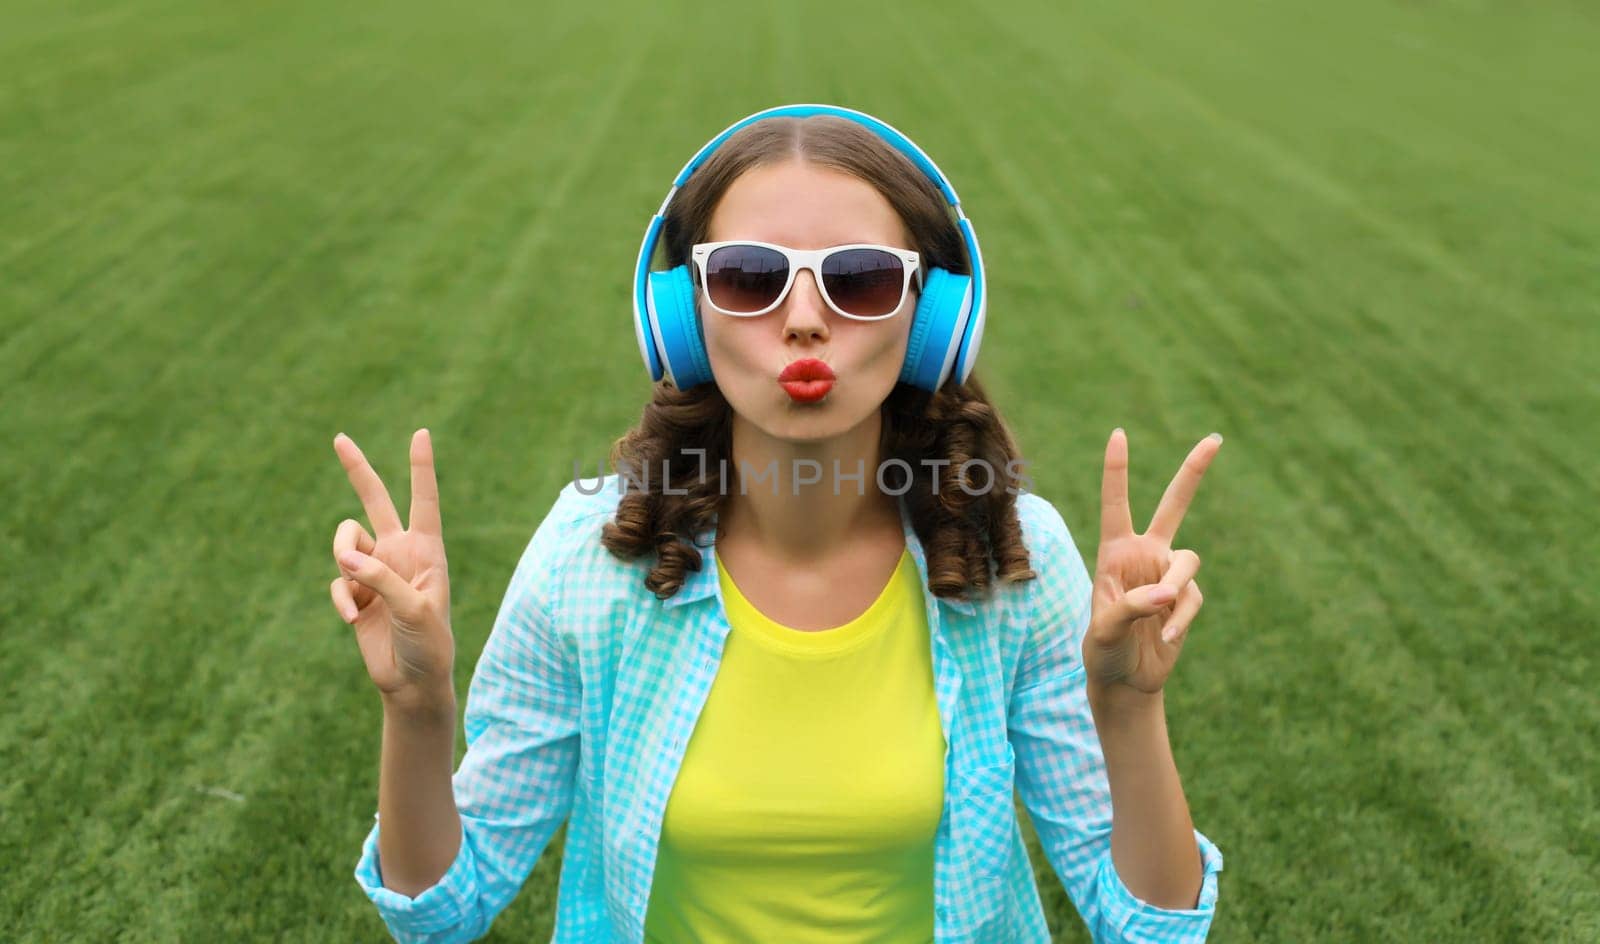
x,y
349,615
352,559
1162,595
1217,437
1169,634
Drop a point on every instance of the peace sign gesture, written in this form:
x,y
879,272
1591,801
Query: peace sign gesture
x,y
1144,591
394,584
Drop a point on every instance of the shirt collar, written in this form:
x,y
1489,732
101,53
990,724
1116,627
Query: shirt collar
x,y
702,583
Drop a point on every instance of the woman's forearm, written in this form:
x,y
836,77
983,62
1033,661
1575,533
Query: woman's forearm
x,y
419,829
1152,836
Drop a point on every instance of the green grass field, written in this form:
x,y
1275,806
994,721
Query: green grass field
x,y
1358,239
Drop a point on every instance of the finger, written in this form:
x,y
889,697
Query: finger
x,y
1180,570
1148,600
1115,521
424,485
351,536
1180,491
1182,614
374,497
371,572
342,600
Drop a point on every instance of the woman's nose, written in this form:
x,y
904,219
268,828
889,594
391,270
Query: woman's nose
x,y
804,310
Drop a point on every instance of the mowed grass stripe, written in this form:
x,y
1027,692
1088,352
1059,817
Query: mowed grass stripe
x,y
1050,151
115,139
1520,67
153,259
541,240
1514,235
1416,393
1362,61
282,275
1436,621
319,444
1279,155
1457,389
1423,376
285,730
1450,546
58,496
1310,178
1285,130
1483,775
1515,755
182,378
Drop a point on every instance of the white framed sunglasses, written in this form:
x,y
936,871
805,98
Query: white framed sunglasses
x,y
860,281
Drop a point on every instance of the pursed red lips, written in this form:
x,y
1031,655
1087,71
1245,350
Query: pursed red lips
x,y
807,380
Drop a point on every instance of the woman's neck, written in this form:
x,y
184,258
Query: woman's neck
x,y
787,499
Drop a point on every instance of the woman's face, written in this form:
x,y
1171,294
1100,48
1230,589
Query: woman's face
x,y
805,206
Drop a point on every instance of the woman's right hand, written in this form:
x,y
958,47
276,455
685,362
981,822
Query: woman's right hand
x,y
396,590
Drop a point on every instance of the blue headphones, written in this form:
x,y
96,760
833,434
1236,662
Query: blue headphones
x,y
946,330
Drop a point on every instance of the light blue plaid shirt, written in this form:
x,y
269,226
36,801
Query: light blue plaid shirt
x,y
589,687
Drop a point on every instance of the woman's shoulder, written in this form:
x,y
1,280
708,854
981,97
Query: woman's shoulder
x,y
1053,555
566,550
586,498
1043,527
1061,593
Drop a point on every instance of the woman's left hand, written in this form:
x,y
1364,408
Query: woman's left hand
x,y
1144,591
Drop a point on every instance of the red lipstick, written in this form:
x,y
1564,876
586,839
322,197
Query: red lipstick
x,y
807,380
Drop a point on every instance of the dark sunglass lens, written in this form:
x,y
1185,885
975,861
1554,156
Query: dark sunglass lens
x,y
865,282
745,278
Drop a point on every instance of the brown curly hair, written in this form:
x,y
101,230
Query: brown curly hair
x,y
963,534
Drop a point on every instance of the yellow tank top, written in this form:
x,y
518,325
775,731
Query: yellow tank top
x,y
812,786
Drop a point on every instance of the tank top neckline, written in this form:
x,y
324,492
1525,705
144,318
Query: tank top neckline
x,y
745,617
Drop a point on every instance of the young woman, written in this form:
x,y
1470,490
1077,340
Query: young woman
x,y
781,673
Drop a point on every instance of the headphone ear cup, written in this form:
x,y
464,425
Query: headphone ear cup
x,y
936,331
676,329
